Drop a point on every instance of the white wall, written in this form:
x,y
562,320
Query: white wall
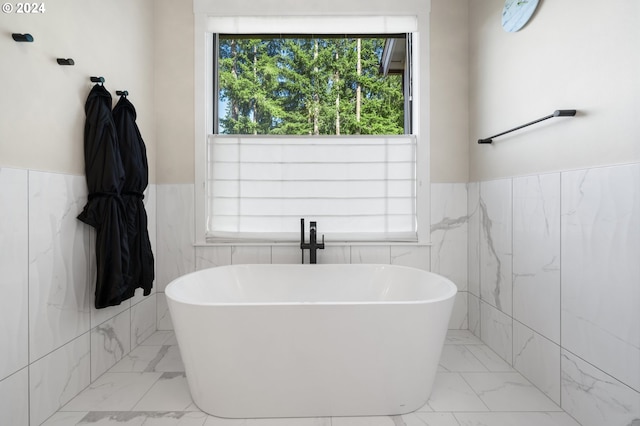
x,y
42,103
573,54
174,90
449,81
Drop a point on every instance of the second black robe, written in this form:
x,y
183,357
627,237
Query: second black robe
x,y
134,161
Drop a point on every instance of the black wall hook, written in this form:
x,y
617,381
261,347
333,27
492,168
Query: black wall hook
x,y
63,61
98,80
122,93
22,37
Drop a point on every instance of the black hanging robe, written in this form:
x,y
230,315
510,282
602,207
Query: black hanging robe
x,y
134,161
104,209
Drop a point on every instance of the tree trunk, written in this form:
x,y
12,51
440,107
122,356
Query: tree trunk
x,y
336,81
254,101
235,111
358,87
316,97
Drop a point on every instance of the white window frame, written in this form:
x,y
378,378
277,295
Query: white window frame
x,y
206,26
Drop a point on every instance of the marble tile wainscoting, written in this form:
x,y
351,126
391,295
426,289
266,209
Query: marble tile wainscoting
x,y
447,256
55,343
546,267
554,285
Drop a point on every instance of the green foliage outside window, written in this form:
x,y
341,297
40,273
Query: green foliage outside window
x,y
307,86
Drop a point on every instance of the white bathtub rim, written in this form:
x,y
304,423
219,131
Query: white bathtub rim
x,y
451,292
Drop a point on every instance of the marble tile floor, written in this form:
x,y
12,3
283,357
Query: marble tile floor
x,y
474,387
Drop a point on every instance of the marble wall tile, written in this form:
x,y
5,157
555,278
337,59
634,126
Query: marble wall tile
x,y
53,255
58,377
59,256
496,244
175,255
414,256
143,320
474,314
150,205
536,253
473,241
333,254
496,330
14,399
212,256
371,254
286,254
600,269
110,342
595,398
241,255
163,314
98,316
460,316
449,219
14,267
139,296
538,359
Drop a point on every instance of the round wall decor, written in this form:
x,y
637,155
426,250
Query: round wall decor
x,y
516,13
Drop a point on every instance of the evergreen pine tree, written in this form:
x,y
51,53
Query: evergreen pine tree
x,y
304,86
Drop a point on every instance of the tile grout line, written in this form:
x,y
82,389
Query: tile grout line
x,y
478,359
28,176
561,230
474,391
146,392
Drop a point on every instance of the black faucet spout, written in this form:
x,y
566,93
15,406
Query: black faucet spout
x,y
313,244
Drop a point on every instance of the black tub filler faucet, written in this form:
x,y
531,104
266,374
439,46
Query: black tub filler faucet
x,y
312,245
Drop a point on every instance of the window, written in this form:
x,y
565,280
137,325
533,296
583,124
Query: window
x,y
308,85
298,129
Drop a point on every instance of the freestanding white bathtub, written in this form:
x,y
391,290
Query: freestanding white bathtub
x,y
310,340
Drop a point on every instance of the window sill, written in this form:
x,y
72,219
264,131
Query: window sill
x,y
327,244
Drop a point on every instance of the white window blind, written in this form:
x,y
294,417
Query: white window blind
x,y
358,188
313,24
